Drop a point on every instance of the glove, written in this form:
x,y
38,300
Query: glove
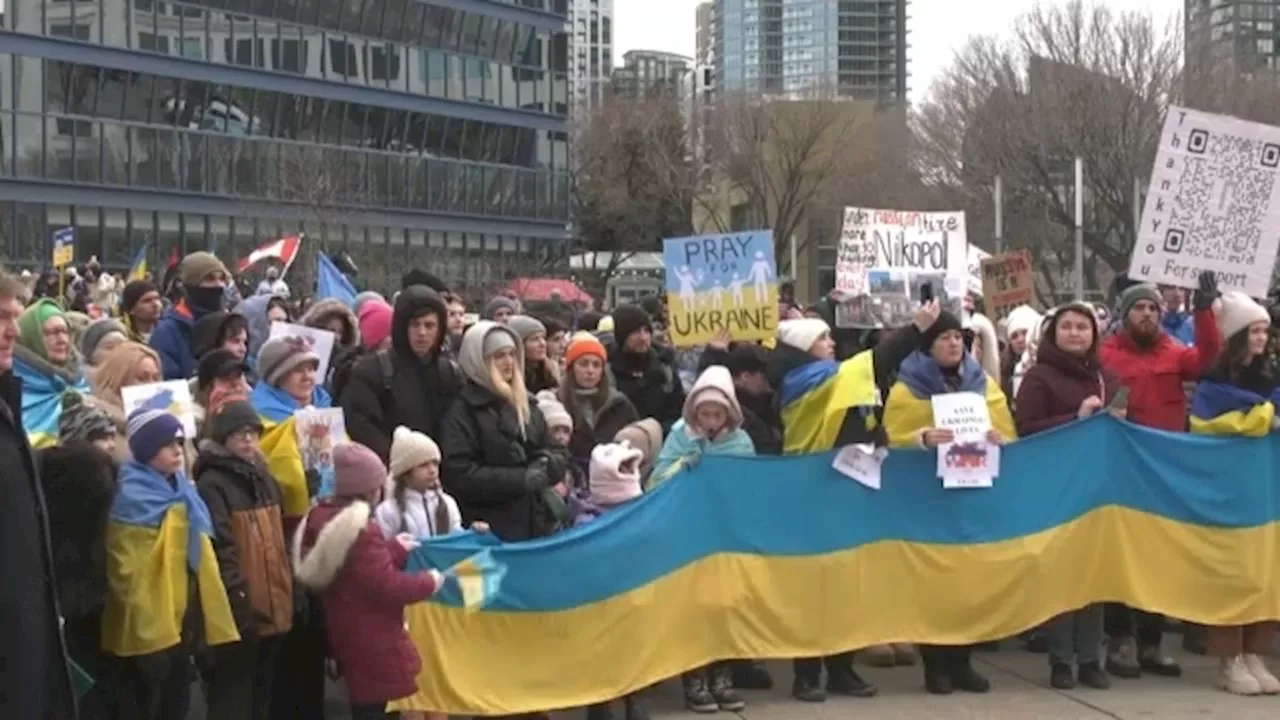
x,y
557,466
536,476
1208,291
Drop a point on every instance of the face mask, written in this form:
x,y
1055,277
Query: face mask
x,y
203,300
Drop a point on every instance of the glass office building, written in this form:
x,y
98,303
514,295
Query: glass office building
x,y
401,131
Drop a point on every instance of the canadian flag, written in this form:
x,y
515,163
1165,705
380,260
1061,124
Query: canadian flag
x,y
285,250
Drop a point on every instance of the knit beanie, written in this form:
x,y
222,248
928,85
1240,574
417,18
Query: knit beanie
x,y
134,292
553,411
409,449
554,326
1023,318
375,322
281,355
150,430
1237,312
31,325
628,319
589,320
358,304
357,470
231,417
803,333
498,303
605,325
81,421
745,358
614,474
496,341
946,321
96,333
1135,293
584,343
198,266
525,326
644,435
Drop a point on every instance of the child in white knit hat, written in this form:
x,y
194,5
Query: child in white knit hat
x,y
416,504
560,430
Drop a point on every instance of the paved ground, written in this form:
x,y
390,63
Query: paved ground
x,y
1020,692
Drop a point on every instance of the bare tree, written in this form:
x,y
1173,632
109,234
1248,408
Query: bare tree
x,y
1076,80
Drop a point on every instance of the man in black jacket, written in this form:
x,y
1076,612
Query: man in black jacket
x,y
35,680
412,384
642,371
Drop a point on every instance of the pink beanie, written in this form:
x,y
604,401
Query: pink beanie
x,y
614,474
375,323
357,470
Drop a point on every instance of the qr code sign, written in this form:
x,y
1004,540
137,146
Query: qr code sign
x,y
1223,198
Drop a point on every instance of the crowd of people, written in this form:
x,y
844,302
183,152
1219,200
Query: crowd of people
x,y
142,556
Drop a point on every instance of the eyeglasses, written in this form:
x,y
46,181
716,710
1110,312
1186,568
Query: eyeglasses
x,y
56,332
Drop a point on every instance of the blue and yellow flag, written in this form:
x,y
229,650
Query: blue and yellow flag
x,y
138,270
1220,408
280,442
42,400
815,398
785,557
158,534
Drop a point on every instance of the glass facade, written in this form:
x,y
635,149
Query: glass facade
x,y
1236,36
401,131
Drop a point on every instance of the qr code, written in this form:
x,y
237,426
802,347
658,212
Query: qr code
x,y
1223,195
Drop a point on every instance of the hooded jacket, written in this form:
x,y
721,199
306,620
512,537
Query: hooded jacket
x,y
649,381
1053,389
209,332
488,454
686,442
346,347
395,387
171,339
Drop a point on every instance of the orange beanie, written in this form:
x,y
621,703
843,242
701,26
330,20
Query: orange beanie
x,y
584,343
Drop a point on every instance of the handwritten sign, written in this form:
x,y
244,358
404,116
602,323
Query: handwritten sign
x,y
885,258
862,462
173,396
1006,282
322,342
319,430
969,461
721,282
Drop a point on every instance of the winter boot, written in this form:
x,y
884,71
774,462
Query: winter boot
x,y
727,699
1061,677
1258,669
1091,676
697,695
634,707
1122,660
1235,678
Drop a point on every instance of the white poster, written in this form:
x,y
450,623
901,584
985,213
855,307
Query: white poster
x,y
861,462
969,461
173,396
886,257
322,342
974,257
1211,204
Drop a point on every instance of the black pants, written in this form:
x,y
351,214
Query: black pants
x,y
298,690
945,659
810,669
153,687
1123,621
240,677
373,712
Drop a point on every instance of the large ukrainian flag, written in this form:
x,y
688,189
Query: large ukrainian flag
x,y
280,442
784,557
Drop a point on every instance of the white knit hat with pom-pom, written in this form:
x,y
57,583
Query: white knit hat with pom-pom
x,y
409,449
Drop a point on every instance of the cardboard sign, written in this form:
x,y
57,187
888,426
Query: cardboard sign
x,y
717,282
1007,282
173,396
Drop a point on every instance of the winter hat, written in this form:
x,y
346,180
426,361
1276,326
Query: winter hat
x,y
133,293
375,322
525,326
644,435
150,430
1133,294
614,474
589,320
31,324
198,266
357,470
97,332
231,417
498,303
358,304
495,342
803,333
409,449
553,411
81,421
715,386
1237,312
628,319
946,321
605,325
1023,318
281,355
584,343
218,363
746,357
554,326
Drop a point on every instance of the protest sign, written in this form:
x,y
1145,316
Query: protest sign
x,y
885,257
969,461
322,342
1006,282
862,462
319,430
173,396
1211,204
718,282
973,263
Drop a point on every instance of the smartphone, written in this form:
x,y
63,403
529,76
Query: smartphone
x,y
1121,399
926,293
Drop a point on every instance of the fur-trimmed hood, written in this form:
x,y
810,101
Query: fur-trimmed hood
x,y
336,535
319,315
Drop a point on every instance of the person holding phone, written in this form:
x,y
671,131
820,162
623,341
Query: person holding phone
x,y
1068,383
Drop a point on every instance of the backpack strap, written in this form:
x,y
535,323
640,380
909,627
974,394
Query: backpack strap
x,y
388,371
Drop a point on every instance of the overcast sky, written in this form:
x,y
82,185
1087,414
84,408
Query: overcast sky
x,y
937,28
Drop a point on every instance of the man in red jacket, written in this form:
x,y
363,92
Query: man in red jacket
x,y
1154,367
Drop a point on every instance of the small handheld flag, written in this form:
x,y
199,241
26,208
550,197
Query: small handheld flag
x,y
138,270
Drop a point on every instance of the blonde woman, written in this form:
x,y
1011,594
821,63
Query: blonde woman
x,y
498,462
129,363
